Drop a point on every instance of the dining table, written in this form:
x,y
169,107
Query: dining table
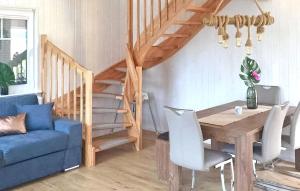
x,y
242,131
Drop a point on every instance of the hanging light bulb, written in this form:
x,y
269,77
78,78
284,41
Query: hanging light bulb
x,y
225,36
249,42
238,37
225,40
260,32
220,35
249,47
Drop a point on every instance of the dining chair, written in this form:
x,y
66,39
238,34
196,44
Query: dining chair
x,y
292,141
187,147
270,146
268,95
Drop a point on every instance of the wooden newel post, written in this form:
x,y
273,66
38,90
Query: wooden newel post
x,y
89,151
139,105
130,24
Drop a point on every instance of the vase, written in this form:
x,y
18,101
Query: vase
x,y
251,98
3,90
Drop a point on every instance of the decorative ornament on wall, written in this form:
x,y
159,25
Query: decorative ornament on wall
x,y
239,21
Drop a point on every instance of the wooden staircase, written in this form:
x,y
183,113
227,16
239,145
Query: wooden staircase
x,y
162,29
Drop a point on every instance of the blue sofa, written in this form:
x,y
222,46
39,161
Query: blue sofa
x,y
38,153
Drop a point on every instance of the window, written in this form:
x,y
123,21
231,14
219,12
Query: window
x,y
18,49
13,47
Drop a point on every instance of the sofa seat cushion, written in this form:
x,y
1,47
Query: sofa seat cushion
x,y
17,148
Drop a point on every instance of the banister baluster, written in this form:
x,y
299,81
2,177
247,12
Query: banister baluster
x,y
51,76
138,25
145,20
152,18
175,6
159,12
69,89
56,81
130,23
75,93
167,8
62,86
81,96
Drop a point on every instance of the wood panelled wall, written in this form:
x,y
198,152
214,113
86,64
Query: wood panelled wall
x,y
204,74
92,31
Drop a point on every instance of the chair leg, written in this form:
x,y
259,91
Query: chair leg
x,y
222,177
193,180
232,175
221,166
254,169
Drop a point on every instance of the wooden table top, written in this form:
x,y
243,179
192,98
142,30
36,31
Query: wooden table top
x,y
247,126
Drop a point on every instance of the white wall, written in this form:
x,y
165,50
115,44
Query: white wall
x,y
93,31
203,74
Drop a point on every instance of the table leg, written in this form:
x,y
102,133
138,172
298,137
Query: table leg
x,y
297,159
174,177
243,164
162,159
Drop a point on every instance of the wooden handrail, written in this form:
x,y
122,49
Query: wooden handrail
x,y
62,79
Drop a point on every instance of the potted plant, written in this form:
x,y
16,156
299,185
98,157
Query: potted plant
x,y
7,77
250,74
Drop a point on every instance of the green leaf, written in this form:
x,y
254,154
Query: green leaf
x,y
243,77
242,68
7,76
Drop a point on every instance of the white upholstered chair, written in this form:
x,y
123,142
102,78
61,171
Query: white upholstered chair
x,y
292,141
270,146
187,147
268,95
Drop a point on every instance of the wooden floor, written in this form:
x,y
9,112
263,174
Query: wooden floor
x,y
125,170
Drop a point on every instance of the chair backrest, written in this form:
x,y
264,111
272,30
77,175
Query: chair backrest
x,y
295,129
186,139
271,140
268,95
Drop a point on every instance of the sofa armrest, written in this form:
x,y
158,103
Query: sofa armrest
x,y
72,128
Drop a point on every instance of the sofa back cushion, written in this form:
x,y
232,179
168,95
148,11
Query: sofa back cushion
x,y
8,103
38,117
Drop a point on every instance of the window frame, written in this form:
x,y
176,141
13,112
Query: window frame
x,y
32,49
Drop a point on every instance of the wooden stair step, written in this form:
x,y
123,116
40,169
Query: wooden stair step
x,y
187,23
175,35
154,59
121,69
104,126
166,47
99,110
110,82
105,144
104,95
108,95
198,9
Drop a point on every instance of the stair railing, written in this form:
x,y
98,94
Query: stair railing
x,y
69,85
133,94
152,18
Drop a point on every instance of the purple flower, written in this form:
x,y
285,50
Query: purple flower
x,y
256,76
